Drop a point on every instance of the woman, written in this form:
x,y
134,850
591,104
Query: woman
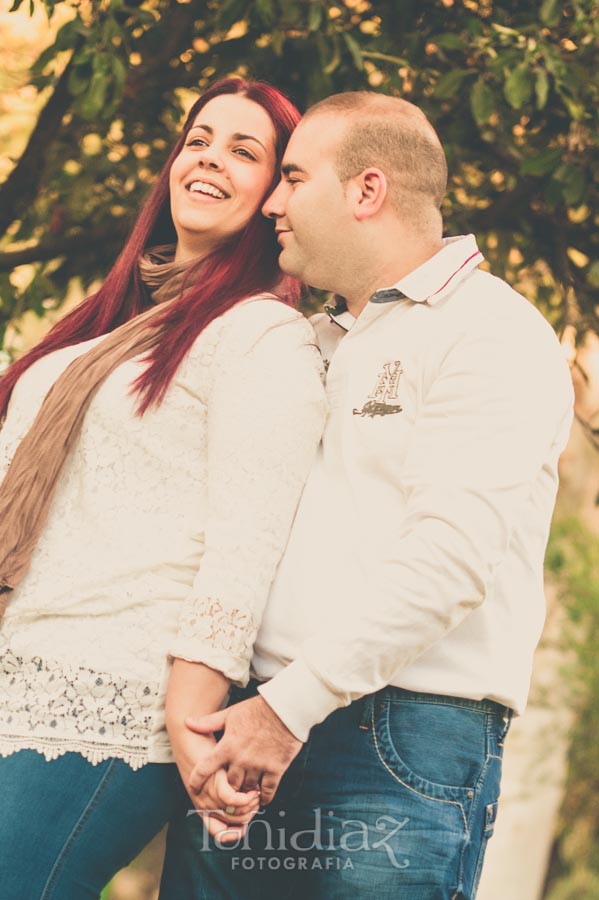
x,y
154,448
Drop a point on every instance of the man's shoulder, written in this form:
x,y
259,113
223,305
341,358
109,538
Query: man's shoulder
x,y
485,301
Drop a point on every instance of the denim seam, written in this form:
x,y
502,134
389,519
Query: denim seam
x,y
407,786
459,703
51,880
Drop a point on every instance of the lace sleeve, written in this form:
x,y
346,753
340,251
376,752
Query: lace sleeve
x,y
266,410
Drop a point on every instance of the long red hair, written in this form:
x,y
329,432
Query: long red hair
x,y
245,265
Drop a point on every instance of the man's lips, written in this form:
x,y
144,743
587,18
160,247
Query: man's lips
x,y
281,231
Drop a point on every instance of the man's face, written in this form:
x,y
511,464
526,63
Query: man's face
x,y
310,207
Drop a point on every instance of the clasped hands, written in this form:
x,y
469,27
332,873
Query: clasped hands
x,y
236,775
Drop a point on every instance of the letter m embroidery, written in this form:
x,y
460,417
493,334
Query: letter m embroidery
x,y
387,383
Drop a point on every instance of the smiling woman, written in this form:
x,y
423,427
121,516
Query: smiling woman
x,y
154,448
221,174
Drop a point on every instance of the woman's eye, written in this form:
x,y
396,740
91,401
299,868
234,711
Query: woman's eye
x,y
197,142
243,152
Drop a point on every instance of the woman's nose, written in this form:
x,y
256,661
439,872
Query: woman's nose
x,y
210,160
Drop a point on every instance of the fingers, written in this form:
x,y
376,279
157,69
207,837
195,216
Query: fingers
x,y
207,767
207,724
227,796
252,779
269,787
236,777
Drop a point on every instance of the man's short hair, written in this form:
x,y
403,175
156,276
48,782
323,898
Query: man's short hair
x,y
395,136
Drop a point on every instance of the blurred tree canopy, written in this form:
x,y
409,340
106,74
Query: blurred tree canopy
x,y
512,87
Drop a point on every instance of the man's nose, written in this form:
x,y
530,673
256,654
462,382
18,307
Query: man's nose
x,y
273,207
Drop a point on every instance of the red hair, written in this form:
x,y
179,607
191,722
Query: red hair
x,y
245,265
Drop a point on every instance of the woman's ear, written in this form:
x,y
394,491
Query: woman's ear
x,y
368,192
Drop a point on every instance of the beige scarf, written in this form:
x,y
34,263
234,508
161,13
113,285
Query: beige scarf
x,y
28,487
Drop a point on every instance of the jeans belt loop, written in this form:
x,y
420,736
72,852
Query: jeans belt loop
x,y
366,712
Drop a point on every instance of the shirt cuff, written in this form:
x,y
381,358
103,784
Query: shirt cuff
x,y
236,670
300,698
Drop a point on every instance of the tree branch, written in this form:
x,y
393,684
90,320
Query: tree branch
x,y
63,245
21,187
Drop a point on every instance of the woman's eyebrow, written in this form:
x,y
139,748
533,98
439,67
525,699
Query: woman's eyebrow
x,y
238,136
248,137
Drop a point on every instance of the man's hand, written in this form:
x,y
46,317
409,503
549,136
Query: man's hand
x,y
256,747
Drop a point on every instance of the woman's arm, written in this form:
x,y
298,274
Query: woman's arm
x,y
266,411
195,689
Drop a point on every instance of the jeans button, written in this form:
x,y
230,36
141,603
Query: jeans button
x,y
470,795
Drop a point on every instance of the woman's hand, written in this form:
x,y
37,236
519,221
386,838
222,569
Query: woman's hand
x,y
196,689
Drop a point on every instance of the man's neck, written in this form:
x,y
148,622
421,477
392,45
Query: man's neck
x,y
385,273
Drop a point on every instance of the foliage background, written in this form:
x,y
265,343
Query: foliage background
x,y
91,107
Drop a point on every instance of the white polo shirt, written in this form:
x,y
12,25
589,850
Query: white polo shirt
x,y
416,555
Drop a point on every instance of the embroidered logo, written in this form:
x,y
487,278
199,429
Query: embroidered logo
x,y
384,391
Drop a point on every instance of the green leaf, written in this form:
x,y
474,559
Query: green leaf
x,y
542,163
503,29
551,12
354,49
593,274
576,109
541,88
119,75
482,101
335,58
266,11
231,11
93,101
16,5
450,41
573,183
79,79
315,16
518,86
449,84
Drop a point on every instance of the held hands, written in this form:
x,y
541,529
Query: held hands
x,y
256,749
224,811
195,688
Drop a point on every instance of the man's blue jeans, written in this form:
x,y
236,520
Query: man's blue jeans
x,y
393,798
67,826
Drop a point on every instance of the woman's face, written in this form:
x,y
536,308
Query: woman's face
x,y
219,178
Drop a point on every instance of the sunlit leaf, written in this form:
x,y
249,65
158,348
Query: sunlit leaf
x,y
482,101
541,88
551,12
449,84
518,87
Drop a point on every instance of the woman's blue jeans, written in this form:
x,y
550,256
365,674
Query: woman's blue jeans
x,y
66,826
392,798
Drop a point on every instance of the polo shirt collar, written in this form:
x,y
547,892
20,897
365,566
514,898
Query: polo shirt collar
x,y
429,283
438,276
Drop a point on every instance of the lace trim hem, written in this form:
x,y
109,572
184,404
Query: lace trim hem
x,y
93,753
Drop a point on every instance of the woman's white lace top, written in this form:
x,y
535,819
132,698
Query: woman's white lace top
x,y
163,536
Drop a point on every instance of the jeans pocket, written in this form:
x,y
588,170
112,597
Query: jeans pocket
x,y
488,829
435,747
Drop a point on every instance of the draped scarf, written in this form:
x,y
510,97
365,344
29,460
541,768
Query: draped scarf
x,y
28,487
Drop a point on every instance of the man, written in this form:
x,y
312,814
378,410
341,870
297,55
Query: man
x,y
401,627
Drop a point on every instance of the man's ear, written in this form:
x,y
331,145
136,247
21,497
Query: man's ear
x,y
368,191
